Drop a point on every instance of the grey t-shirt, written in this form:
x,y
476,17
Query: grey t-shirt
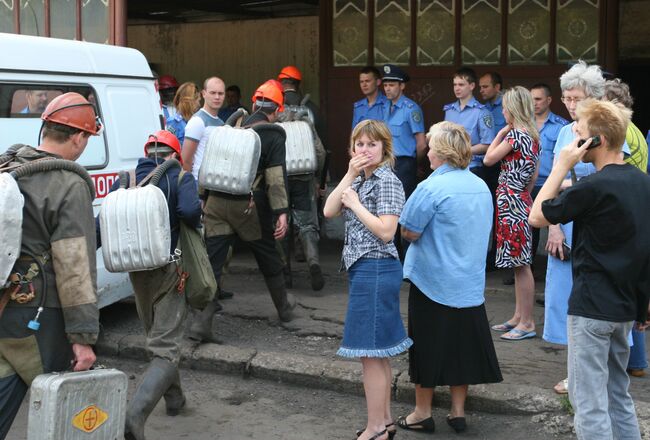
x,y
197,130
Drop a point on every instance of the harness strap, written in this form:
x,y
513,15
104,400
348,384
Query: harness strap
x,y
147,178
132,180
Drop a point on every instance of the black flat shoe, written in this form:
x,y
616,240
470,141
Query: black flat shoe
x,y
391,434
458,424
426,425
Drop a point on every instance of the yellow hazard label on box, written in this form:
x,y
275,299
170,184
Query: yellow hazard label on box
x,y
89,419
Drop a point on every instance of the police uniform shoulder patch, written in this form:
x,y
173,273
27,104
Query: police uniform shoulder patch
x,y
447,107
416,116
487,120
358,103
559,120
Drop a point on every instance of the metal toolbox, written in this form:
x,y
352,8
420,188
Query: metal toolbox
x,y
135,229
230,160
87,405
301,153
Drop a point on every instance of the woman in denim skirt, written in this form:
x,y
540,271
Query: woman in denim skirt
x,y
371,198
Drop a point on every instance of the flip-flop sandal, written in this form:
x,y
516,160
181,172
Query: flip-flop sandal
x,y
562,387
503,328
518,335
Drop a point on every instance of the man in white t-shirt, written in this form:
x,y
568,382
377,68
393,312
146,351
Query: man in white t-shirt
x,y
196,133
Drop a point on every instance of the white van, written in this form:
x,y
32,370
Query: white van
x,y
118,80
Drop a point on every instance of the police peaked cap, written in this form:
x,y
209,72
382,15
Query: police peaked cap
x,y
394,73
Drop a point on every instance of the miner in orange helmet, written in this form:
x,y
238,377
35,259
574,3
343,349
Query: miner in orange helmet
x,y
259,220
48,311
159,293
302,187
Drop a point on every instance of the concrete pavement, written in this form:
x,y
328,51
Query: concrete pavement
x,y
530,368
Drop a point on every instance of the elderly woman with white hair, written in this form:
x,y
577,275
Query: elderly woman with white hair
x,y
448,221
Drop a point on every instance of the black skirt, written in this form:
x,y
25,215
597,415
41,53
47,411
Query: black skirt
x,y
450,346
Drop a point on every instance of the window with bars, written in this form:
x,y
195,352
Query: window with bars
x,y
86,20
478,32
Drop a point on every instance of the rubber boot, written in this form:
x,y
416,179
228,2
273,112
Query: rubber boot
x,y
155,383
284,302
310,244
174,398
201,329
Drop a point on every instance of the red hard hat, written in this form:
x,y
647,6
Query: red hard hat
x,y
73,110
271,90
166,139
167,82
290,72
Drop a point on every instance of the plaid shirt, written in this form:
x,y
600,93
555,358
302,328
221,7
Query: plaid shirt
x,y
381,194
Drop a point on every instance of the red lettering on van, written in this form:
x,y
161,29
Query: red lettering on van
x,y
103,183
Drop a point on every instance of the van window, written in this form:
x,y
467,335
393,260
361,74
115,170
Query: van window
x,y
21,106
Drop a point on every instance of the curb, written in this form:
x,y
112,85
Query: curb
x,y
340,376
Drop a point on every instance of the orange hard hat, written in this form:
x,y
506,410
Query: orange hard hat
x,y
163,138
290,72
73,110
271,90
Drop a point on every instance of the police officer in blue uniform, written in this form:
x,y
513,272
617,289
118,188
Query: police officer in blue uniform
x,y
374,104
490,87
405,121
479,123
549,125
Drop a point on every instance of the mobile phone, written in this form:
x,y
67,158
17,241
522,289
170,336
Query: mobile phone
x,y
595,142
566,250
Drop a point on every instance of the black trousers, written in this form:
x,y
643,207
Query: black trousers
x,y
490,175
406,170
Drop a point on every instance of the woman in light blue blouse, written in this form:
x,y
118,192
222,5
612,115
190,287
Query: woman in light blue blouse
x,y
578,83
371,198
448,221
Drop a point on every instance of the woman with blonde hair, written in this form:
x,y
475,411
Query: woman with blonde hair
x,y
187,101
448,221
371,197
517,147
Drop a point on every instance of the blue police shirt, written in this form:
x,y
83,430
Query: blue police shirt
x,y
496,108
452,212
377,111
176,126
404,119
478,122
547,138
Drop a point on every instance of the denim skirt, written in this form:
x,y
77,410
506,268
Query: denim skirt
x,y
373,324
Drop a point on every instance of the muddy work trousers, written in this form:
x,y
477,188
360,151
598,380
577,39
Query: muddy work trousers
x,y
227,217
24,354
162,310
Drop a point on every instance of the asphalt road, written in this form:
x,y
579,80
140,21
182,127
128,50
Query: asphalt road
x,y
233,408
